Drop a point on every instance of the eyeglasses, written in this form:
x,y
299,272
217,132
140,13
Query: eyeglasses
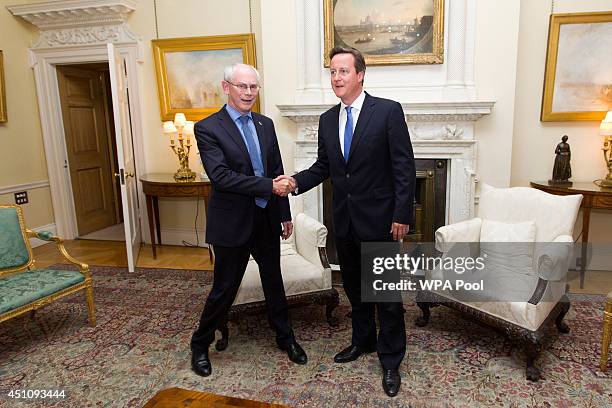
x,y
243,87
341,71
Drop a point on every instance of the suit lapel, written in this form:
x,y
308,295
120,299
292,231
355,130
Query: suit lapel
x,y
263,140
230,127
334,123
364,117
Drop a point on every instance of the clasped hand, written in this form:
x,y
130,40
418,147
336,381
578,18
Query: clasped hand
x,y
283,185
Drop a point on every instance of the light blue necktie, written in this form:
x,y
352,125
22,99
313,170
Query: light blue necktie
x,y
348,133
258,168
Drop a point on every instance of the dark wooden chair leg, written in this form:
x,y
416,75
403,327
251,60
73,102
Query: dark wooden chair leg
x,y
422,321
332,303
561,325
532,350
222,343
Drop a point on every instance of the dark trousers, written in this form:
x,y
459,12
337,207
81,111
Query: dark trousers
x,y
391,341
230,265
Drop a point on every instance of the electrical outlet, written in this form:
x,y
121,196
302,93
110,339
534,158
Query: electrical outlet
x,y
21,197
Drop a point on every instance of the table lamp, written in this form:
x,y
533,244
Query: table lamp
x,y
605,129
183,129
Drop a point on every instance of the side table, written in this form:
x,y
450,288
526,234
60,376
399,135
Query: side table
x,y
157,185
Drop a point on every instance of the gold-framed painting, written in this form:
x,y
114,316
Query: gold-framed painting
x,y
190,70
386,31
3,116
578,78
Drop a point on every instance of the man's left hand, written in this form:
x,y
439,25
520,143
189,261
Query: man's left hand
x,y
398,230
287,229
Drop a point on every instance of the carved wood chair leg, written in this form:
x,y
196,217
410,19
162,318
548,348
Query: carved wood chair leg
x,y
91,308
222,343
332,302
532,350
561,325
422,321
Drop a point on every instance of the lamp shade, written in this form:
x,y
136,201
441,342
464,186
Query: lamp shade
x,y
179,119
169,127
188,129
605,129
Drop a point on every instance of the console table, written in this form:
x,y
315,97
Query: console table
x,y
157,185
593,197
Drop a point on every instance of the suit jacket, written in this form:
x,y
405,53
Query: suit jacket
x,y
231,205
376,186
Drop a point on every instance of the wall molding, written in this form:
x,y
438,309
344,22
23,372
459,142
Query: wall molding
x,y
24,186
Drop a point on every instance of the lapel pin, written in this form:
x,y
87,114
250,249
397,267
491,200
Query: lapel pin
x,y
260,124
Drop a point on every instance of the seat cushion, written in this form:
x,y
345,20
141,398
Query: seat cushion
x,y
13,250
25,287
299,276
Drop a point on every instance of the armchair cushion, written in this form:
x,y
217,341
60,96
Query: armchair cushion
x,y
301,266
508,248
23,288
13,249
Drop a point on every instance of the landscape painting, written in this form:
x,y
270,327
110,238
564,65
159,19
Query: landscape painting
x,y
387,31
190,70
578,78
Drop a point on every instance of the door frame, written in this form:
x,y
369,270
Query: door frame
x,y
44,62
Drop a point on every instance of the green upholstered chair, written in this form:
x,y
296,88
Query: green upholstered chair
x,y
23,288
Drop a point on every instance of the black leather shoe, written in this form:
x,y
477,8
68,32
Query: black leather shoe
x,y
352,353
200,363
295,353
391,382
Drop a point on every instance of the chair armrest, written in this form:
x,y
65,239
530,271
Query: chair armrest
x,y
464,231
46,236
552,258
310,239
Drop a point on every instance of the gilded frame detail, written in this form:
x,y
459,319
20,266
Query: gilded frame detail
x,y
3,115
553,66
434,57
190,48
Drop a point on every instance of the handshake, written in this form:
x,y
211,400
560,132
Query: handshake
x,y
283,185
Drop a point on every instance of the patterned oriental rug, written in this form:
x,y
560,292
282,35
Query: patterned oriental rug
x,y
145,321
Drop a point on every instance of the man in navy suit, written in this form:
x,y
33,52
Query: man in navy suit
x,y
364,147
248,211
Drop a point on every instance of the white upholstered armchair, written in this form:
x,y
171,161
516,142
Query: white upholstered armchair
x,y
525,286
306,275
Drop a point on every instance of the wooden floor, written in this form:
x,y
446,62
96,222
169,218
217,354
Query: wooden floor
x,y
112,253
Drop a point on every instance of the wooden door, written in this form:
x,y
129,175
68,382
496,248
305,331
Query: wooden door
x,y
82,98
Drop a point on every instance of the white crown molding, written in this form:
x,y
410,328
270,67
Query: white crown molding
x,y
24,186
74,13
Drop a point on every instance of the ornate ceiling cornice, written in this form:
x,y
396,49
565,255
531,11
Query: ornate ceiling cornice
x,y
74,13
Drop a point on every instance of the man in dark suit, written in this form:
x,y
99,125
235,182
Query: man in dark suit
x,y
364,147
247,207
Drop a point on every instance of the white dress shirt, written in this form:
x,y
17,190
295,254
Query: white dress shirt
x,y
356,105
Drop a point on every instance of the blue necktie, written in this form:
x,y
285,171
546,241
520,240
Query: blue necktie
x,y
258,168
348,133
